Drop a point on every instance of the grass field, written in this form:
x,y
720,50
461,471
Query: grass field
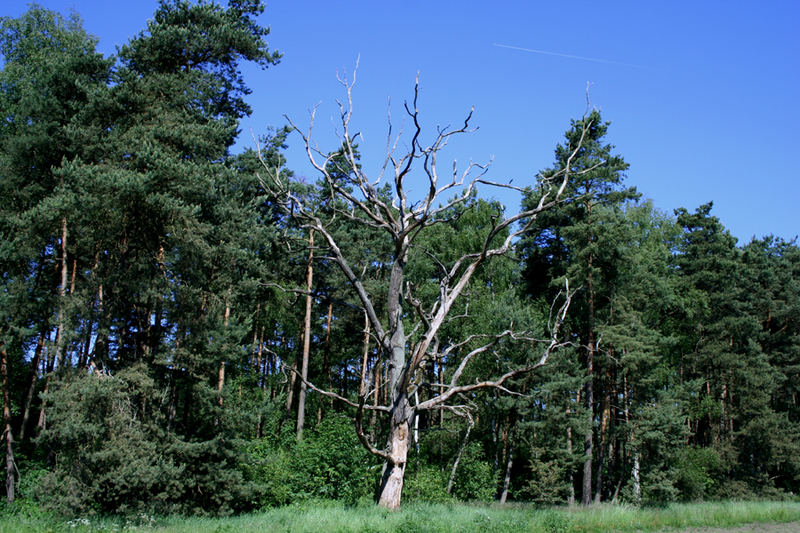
x,y
331,517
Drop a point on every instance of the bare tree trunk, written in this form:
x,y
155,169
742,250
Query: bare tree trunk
x,y
7,421
391,488
301,399
404,220
373,429
588,449
290,392
598,494
507,476
221,374
173,399
326,362
220,382
570,473
458,457
47,371
62,291
592,347
365,358
101,343
37,354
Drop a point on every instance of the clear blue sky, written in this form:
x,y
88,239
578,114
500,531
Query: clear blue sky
x,y
702,96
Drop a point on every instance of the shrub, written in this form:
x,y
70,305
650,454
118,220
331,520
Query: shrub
x,y
697,470
474,480
328,463
112,454
425,483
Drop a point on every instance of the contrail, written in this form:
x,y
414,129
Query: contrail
x,y
568,56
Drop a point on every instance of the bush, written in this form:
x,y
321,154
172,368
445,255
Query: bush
x,y
474,480
697,470
112,454
426,483
328,463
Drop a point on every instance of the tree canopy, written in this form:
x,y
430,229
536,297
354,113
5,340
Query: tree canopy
x,y
187,329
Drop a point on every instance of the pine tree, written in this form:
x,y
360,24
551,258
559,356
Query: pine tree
x,y
575,240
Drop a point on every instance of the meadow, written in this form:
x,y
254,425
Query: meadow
x,y
332,517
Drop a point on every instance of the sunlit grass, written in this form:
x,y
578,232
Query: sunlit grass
x,y
332,517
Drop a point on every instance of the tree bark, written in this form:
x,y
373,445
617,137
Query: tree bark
x,y
588,449
570,473
391,488
7,421
37,354
62,291
364,388
221,375
589,442
326,362
301,398
601,456
458,457
507,475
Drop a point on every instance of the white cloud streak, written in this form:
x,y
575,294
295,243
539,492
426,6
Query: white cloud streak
x,y
569,56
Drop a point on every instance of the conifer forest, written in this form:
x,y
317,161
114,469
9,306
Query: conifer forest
x,y
185,329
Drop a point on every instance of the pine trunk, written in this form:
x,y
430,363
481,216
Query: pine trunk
x,y
601,452
7,421
589,442
301,398
570,473
62,291
37,354
507,476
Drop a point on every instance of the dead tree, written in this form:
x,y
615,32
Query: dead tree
x,y
408,333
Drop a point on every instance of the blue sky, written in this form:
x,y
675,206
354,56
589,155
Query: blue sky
x,y
702,96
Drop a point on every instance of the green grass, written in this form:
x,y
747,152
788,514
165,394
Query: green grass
x,y
332,517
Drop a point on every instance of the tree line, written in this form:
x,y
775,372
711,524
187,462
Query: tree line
x,y
188,329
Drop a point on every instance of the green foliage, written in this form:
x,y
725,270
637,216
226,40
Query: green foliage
x,y
426,483
546,483
698,471
329,463
164,350
474,480
106,457
111,455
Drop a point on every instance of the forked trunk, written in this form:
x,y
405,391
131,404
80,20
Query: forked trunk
x,y
391,489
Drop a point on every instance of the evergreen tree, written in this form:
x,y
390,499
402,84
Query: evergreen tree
x,y
578,240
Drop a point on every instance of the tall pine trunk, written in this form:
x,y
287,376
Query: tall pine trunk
x,y
7,421
570,472
588,448
37,355
62,292
301,398
589,441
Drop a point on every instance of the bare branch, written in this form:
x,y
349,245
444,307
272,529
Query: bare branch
x,y
333,395
498,383
386,456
